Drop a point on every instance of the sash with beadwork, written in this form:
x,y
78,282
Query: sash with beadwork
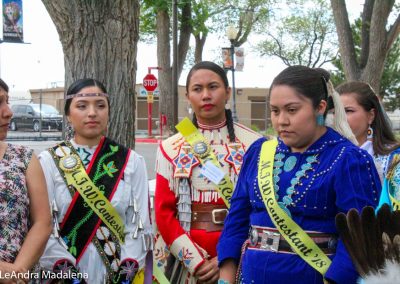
x,y
298,239
389,184
80,224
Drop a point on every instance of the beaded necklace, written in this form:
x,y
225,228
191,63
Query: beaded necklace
x,y
288,165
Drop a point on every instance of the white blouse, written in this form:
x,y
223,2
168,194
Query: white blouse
x,y
133,186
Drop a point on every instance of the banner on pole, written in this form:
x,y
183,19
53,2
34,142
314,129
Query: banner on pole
x,y
239,58
226,57
12,21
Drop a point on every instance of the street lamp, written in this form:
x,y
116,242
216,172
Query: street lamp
x,y
231,33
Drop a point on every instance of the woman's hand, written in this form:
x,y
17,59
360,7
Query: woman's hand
x,y
208,272
13,269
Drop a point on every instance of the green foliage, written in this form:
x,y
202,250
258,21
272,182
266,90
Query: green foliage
x,y
302,34
255,128
270,132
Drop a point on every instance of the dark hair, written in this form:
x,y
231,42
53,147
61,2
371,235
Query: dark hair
x,y
383,140
208,65
3,85
308,82
78,85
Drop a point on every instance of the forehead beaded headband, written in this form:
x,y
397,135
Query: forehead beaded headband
x,y
70,96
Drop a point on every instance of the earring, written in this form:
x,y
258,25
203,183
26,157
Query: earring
x,y
370,133
190,110
320,120
227,106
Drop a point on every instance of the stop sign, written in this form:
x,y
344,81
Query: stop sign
x,y
150,82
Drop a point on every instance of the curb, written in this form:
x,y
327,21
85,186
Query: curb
x,y
148,140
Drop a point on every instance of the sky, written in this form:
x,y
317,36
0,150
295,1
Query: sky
x,y
40,62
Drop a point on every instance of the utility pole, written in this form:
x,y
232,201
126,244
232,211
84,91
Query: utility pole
x,y
175,64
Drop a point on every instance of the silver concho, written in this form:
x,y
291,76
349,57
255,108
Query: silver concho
x,y
69,163
253,237
201,148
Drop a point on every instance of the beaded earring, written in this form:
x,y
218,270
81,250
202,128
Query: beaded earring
x,y
190,110
320,120
227,105
370,133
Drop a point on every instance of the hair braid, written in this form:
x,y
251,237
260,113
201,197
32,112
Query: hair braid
x,y
230,125
194,120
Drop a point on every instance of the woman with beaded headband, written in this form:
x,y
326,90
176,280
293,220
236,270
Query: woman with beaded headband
x,y
281,225
371,126
189,209
98,193
25,223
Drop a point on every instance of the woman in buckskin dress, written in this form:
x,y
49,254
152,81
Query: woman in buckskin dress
x,y
189,209
25,223
281,225
98,191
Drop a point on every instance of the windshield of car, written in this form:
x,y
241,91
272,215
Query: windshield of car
x,y
46,109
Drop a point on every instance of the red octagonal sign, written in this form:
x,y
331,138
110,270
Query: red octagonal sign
x,y
150,82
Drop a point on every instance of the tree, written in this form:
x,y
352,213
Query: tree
x,y
302,37
197,18
99,40
376,40
390,82
161,27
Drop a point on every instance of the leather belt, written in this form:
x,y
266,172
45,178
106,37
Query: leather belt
x,y
270,239
209,217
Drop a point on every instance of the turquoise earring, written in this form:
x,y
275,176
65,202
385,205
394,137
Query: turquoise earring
x,y
320,120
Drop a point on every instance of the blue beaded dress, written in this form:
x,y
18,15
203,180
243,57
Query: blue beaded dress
x,y
331,176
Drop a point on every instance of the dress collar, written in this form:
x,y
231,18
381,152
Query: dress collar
x,y
330,137
367,146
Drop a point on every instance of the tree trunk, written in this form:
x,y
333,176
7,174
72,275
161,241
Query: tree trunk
x,y
164,61
346,42
376,40
164,58
99,40
198,51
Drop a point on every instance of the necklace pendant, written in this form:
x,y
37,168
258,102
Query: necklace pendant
x,y
290,163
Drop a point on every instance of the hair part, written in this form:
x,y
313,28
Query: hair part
x,y
207,65
383,140
78,85
4,86
308,82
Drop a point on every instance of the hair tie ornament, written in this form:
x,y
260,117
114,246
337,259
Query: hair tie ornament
x,y
70,96
340,123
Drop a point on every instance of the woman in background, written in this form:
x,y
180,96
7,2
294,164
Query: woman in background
x,y
374,134
25,222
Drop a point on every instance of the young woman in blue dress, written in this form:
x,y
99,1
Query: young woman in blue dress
x,y
285,232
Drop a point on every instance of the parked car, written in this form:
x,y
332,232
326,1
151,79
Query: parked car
x,y
29,116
